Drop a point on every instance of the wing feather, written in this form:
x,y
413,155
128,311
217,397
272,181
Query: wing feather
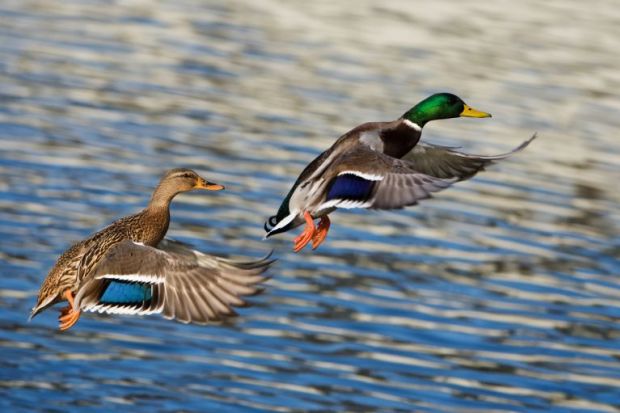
x,y
446,162
391,183
185,284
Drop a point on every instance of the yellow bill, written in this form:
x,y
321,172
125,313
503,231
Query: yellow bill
x,y
209,186
470,112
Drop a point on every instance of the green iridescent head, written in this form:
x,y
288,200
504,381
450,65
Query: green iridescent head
x,y
441,106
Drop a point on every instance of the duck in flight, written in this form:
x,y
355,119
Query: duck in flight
x,y
379,165
130,268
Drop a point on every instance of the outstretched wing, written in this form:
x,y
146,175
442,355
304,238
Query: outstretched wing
x,y
369,179
445,162
172,279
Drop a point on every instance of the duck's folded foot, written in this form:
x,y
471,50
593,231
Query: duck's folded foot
x,y
304,238
321,232
64,311
68,315
68,320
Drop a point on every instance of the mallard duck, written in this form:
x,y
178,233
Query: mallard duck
x,y
379,165
129,268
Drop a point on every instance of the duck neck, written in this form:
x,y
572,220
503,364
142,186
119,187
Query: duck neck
x,y
157,214
418,115
162,196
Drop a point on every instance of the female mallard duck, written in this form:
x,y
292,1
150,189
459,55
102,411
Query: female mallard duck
x,y
364,169
129,268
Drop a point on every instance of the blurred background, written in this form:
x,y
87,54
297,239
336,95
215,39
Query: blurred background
x,y
501,294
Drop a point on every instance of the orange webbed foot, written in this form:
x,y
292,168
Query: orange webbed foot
x,y
64,311
68,320
321,232
304,238
68,315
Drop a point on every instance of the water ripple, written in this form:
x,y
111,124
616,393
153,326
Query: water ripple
x,y
498,295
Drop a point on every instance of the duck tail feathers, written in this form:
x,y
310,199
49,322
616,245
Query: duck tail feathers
x,y
273,226
271,222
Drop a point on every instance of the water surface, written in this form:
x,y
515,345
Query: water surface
x,y
500,294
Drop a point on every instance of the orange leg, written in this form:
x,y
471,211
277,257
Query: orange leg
x,y
68,315
321,232
304,238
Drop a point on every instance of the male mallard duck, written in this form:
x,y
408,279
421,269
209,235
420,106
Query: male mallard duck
x,y
363,169
129,268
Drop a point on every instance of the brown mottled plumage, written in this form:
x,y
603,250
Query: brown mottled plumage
x,y
103,274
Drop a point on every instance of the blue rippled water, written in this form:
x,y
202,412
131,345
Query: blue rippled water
x,y
499,295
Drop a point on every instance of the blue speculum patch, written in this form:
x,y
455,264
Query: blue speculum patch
x,y
350,187
119,292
